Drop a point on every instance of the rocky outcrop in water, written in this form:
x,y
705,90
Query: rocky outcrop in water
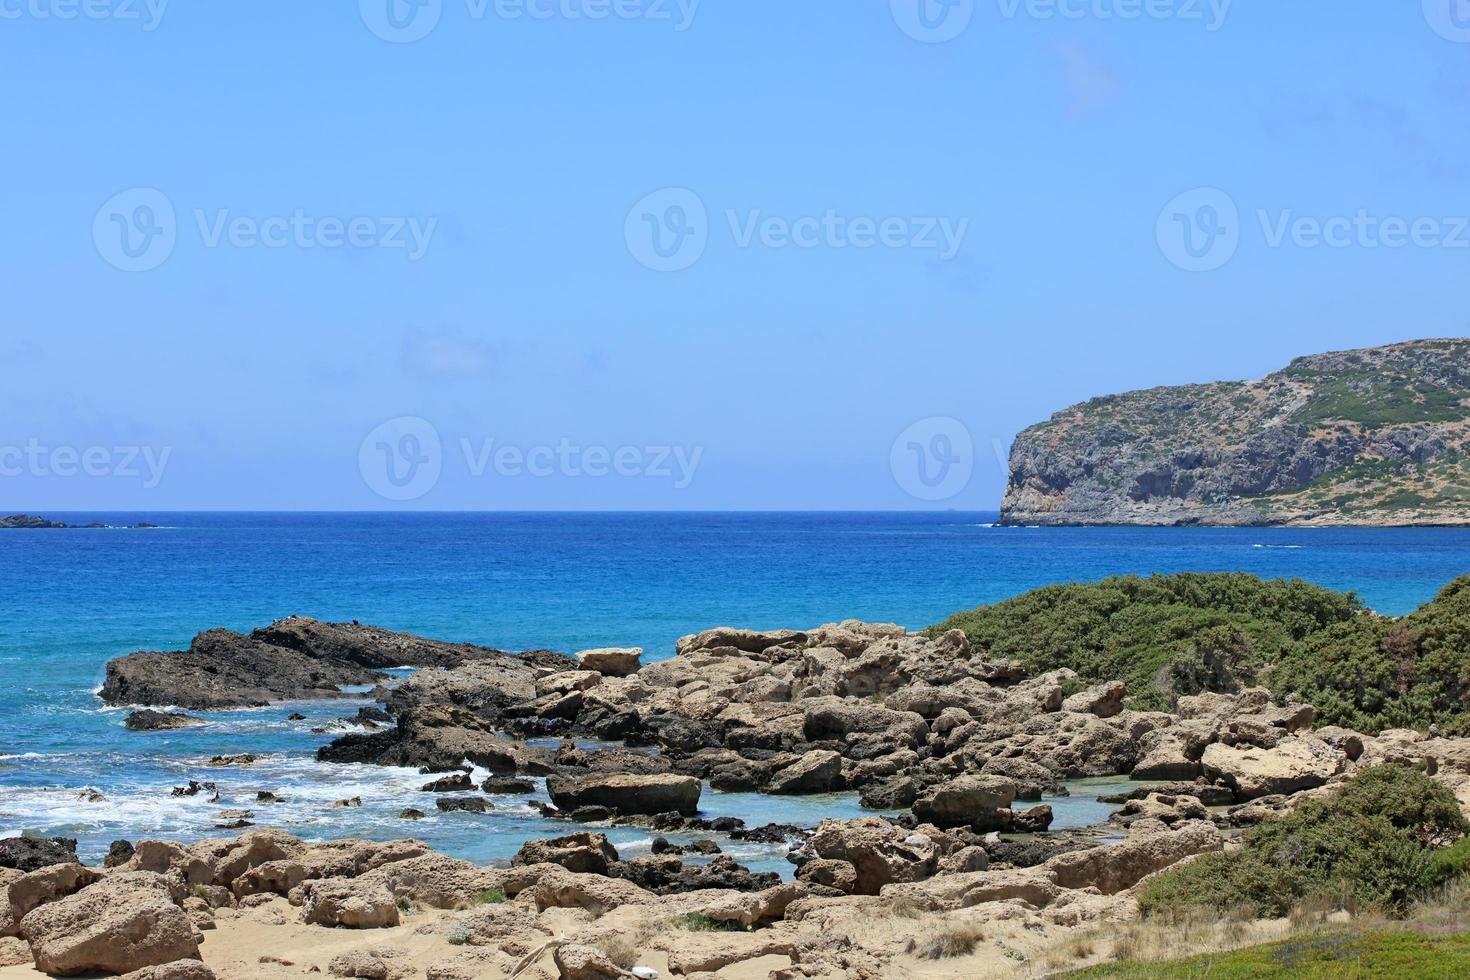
x,y
1372,437
292,659
29,522
148,720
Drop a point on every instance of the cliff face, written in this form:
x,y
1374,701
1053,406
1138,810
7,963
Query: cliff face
x,y
1373,437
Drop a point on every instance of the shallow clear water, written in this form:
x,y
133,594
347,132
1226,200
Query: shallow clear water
x,y
1081,807
70,600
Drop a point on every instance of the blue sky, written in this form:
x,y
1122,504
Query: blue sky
x,y
898,235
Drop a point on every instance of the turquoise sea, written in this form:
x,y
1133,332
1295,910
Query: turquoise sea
x,y
70,600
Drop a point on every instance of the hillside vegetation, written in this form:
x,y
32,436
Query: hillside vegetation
x,y
1378,436
1172,635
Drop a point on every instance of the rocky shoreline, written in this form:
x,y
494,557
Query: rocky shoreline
x,y
966,746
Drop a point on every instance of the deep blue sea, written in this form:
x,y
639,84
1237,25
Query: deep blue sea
x,y
70,600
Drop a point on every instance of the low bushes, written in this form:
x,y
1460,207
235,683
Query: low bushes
x,y
1380,843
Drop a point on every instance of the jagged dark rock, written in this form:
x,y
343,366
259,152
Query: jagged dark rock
x,y
291,659
631,794
439,737
29,522
148,720
119,853
34,853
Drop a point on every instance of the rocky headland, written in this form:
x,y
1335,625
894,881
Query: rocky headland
x,y
954,747
1368,437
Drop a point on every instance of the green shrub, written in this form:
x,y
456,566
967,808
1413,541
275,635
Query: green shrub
x,y
1164,636
1372,845
1450,863
1172,635
699,922
1374,673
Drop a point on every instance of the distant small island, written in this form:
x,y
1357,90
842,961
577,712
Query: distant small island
x,y
29,522
1374,437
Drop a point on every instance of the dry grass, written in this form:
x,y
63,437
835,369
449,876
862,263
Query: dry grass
x,y
1147,940
621,950
958,941
1077,948
905,908
622,947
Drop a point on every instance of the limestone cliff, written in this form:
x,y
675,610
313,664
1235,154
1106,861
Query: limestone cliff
x,y
1367,437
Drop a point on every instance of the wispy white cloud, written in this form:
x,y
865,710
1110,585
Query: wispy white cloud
x,y
447,353
1091,84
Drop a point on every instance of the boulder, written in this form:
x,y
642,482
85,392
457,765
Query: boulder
x,y
1112,868
1032,780
232,858
47,885
1168,810
33,853
177,970
952,643
715,952
583,852
971,800
818,771
895,793
552,886
575,961
612,661
668,875
148,720
1166,756
880,852
348,903
743,641
366,965
840,875
434,881
8,917
838,718
1104,700
509,787
166,857
627,794
1212,705
122,923
449,784
963,890
334,859
1293,765
486,687
437,736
